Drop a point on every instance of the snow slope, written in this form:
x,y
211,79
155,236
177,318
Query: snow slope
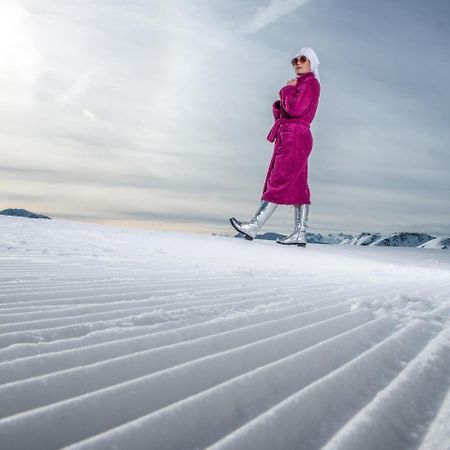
x,y
400,239
144,339
442,243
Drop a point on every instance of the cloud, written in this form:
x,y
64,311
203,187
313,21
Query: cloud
x,y
89,114
273,11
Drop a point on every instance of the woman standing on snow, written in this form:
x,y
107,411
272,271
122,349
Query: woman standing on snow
x,y
286,181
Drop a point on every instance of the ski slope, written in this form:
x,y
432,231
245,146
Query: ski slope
x,y
145,339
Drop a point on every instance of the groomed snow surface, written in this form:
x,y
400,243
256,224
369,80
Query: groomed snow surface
x,y
114,338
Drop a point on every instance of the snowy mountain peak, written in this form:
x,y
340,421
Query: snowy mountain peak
x,y
18,212
403,240
442,243
365,238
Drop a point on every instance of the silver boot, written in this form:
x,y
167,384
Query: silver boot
x,y
250,229
298,236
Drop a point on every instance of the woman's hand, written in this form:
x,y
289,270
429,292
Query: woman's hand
x,y
292,82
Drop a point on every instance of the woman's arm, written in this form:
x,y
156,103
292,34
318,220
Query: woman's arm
x,y
276,109
296,101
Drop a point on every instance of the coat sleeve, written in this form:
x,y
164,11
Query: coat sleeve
x,y
276,109
296,101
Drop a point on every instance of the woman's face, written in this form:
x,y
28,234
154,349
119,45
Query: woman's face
x,y
301,65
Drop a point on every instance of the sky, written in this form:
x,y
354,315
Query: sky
x,y
155,113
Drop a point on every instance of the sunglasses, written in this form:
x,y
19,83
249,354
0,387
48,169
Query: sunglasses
x,y
302,59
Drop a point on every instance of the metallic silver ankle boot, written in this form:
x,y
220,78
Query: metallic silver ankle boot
x,y
250,229
298,236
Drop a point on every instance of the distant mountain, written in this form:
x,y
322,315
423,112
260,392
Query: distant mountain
x,y
22,213
400,239
442,243
315,238
330,238
403,239
365,238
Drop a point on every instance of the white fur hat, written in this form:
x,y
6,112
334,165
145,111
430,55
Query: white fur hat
x,y
313,59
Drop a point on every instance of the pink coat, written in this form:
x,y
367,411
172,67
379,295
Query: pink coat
x,y
287,177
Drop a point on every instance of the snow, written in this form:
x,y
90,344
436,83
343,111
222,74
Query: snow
x,y
404,240
128,338
441,243
400,239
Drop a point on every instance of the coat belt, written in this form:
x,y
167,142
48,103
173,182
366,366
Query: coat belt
x,y
274,130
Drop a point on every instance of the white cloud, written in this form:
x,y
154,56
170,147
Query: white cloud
x,y
273,11
89,114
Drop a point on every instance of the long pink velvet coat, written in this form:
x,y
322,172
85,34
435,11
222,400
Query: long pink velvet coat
x,y
287,177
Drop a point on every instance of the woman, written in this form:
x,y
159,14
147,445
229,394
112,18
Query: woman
x,y
286,181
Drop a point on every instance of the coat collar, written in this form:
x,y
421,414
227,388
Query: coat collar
x,y
304,76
